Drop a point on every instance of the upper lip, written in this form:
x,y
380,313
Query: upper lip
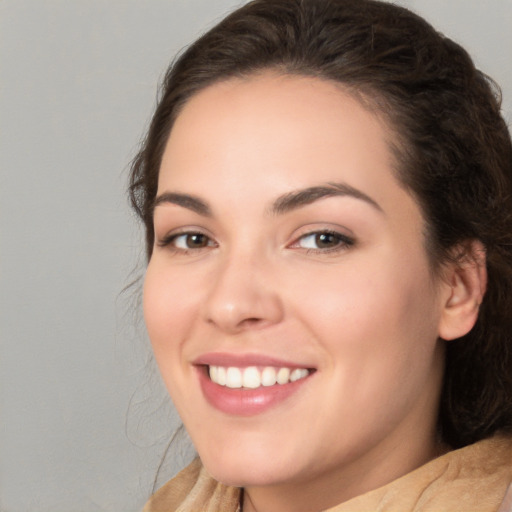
x,y
245,360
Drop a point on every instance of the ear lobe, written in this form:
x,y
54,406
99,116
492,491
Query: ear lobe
x,y
465,285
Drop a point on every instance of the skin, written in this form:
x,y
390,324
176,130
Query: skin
x,y
366,314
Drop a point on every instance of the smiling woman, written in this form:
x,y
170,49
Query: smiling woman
x,y
326,188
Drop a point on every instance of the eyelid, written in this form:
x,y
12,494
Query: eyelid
x,y
345,240
166,240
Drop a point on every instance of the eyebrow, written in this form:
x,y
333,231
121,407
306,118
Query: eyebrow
x,y
283,204
184,200
303,197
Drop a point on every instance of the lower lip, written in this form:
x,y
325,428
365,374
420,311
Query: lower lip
x,y
243,401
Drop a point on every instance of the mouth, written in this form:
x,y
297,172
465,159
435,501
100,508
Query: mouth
x,y
254,377
247,385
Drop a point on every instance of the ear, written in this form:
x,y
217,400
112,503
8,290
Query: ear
x,y
465,282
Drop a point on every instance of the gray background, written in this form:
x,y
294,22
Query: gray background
x,y
84,420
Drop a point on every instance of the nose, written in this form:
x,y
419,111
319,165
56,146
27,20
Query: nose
x,y
242,295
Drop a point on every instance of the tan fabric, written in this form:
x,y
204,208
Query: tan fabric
x,y
194,490
472,479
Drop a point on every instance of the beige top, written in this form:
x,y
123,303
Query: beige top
x,y
474,478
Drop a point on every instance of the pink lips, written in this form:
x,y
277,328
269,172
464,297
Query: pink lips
x,y
243,401
243,360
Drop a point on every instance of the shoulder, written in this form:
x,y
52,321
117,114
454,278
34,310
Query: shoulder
x,y
193,490
475,477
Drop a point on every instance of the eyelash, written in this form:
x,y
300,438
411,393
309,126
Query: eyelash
x,y
169,241
342,242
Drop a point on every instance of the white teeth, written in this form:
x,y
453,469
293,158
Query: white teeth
x,y
221,376
298,373
283,375
268,376
252,377
233,377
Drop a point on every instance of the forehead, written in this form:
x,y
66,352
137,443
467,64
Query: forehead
x,y
270,132
267,100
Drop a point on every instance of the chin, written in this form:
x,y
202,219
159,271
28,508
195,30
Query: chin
x,y
246,472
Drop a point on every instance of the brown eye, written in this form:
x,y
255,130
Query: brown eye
x,y
196,240
324,240
191,241
183,242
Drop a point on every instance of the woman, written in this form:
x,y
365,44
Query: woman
x,y
326,188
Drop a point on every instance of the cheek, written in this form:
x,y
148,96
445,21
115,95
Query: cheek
x,y
372,314
167,312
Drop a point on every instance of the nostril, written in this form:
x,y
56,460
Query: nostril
x,y
251,321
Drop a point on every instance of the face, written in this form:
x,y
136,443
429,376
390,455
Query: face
x,y
288,298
